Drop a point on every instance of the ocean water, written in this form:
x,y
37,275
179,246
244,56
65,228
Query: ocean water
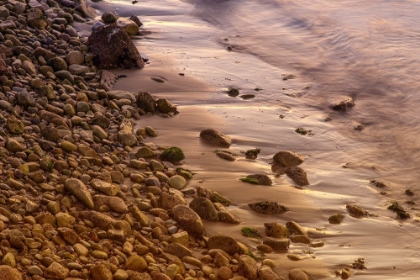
x,y
301,56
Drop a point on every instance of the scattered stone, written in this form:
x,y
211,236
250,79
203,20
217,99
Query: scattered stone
x,y
278,244
268,207
276,230
261,179
356,211
250,232
336,219
173,155
342,105
298,175
287,159
215,137
248,267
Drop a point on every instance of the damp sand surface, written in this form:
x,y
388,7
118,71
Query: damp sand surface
x,y
299,57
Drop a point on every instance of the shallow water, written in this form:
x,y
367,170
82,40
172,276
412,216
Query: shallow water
x,y
367,50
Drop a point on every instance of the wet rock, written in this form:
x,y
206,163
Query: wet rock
x,y
226,156
150,131
146,102
80,191
345,103
276,230
248,267
114,48
356,211
261,179
223,242
128,25
300,239
295,228
268,207
108,80
188,220
278,244
226,216
172,154
204,208
165,106
298,175
336,219
215,137
108,17
297,274
287,159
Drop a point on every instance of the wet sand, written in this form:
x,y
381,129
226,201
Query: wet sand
x,y
176,45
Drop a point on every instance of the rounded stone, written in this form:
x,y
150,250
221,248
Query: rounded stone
x,y
177,182
136,263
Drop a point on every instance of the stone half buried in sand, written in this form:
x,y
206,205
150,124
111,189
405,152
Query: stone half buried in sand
x,y
113,48
268,207
215,137
258,179
298,175
356,211
342,103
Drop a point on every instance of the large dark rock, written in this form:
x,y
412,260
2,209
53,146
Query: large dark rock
x,y
113,48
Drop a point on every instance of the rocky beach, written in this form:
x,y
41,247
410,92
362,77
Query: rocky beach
x,y
125,165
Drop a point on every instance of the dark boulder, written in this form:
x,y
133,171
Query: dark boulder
x,y
113,48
